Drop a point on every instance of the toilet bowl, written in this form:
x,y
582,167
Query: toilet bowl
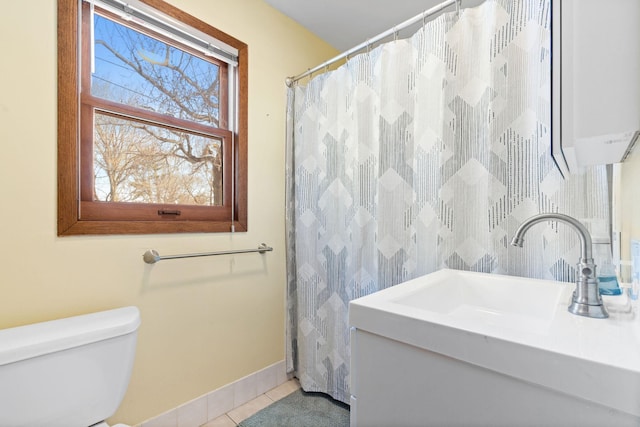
x,y
70,372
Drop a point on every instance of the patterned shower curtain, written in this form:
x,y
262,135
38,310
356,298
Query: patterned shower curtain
x,y
421,154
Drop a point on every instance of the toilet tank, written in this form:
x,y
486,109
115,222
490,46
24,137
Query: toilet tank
x,y
70,372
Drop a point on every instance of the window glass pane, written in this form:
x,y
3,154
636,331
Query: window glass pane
x,y
135,69
141,163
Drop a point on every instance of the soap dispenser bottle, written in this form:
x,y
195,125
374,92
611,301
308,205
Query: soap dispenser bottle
x,y
607,279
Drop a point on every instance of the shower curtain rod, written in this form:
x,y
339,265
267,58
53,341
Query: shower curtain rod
x,y
422,16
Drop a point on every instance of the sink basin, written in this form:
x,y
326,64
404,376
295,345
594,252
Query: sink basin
x,y
500,301
503,348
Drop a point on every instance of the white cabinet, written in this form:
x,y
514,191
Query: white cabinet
x,y
595,81
397,384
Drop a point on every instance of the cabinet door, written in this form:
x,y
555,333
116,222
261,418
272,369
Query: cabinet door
x,y
595,81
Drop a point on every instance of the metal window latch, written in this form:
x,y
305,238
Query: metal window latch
x,y
168,212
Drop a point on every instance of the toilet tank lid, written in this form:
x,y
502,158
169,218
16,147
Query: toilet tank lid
x,y
24,342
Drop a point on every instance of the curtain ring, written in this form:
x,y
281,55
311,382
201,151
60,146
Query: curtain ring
x,y
458,8
395,34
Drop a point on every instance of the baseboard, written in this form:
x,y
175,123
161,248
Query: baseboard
x,y
222,400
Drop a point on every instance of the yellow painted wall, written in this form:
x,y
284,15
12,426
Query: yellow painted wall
x,y
629,202
206,322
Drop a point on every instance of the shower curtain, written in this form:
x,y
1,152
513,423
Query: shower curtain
x,y
424,153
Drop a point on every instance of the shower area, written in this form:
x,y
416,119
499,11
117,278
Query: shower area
x,y
421,153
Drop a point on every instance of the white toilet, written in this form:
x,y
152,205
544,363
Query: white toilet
x,y
70,372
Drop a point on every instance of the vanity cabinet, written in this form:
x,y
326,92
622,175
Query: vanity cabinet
x,y
595,54
460,348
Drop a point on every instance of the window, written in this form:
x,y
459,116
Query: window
x,y
152,119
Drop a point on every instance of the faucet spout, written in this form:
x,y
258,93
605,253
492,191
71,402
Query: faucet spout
x,y
583,233
586,300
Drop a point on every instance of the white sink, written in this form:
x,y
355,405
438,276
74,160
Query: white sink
x,y
500,301
514,333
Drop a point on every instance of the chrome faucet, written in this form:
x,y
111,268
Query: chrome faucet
x,y
586,300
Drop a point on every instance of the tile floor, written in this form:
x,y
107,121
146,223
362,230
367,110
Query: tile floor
x,y
241,413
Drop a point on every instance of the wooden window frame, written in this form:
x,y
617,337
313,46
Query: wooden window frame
x,y
70,188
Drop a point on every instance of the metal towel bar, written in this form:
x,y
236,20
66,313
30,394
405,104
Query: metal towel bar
x,y
151,256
